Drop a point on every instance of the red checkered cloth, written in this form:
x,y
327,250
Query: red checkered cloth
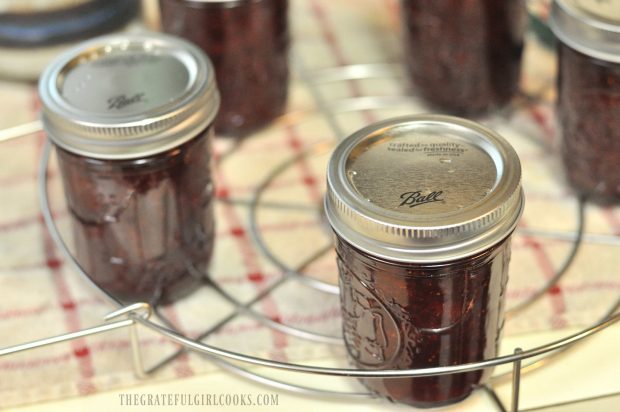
x,y
42,296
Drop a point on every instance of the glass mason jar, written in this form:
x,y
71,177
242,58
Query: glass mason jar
x,y
248,42
423,208
588,103
131,118
464,56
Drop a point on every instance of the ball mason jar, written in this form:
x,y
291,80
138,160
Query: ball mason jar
x,y
423,208
248,41
131,119
588,105
464,56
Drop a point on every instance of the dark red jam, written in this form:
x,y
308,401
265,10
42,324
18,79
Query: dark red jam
x,y
408,315
247,41
464,56
141,226
589,117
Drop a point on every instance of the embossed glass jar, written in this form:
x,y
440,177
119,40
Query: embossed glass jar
x,y
131,119
589,94
464,56
248,41
423,208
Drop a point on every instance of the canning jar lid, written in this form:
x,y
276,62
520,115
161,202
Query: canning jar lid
x,y
425,188
591,27
128,96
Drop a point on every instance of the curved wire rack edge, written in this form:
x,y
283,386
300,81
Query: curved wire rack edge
x,y
222,353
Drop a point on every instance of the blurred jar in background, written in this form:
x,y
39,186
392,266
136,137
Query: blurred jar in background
x,y
248,41
32,32
589,94
464,56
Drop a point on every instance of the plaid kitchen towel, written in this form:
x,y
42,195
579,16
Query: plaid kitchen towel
x,y
346,61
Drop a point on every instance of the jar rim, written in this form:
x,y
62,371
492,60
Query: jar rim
x,y
128,96
586,30
476,200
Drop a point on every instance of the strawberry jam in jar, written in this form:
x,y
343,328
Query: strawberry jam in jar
x,y
248,42
423,208
464,56
131,119
588,103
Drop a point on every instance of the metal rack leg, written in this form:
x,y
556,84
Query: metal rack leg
x,y
136,354
516,381
144,311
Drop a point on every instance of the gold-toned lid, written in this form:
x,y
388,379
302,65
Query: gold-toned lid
x,y
591,27
424,188
128,96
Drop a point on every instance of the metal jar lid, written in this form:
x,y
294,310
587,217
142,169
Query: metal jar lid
x,y
425,188
591,27
128,96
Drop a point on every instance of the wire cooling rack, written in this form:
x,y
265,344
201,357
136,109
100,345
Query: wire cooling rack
x,y
148,315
